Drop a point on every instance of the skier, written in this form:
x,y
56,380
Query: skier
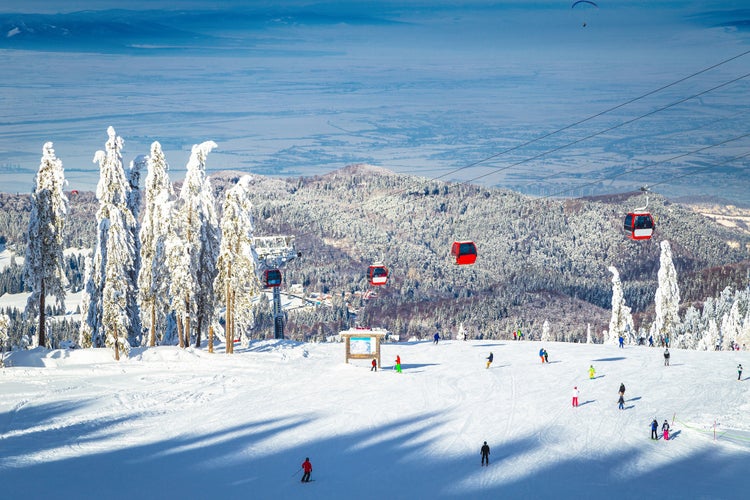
x,y
654,428
665,430
622,389
621,340
489,360
436,337
307,467
398,364
485,454
739,372
621,402
651,341
666,357
592,372
546,359
541,354
374,366
575,397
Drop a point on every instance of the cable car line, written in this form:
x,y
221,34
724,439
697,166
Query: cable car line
x,y
651,165
596,115
608,129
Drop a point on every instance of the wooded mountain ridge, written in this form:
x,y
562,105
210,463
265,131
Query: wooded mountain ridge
x,y
538,258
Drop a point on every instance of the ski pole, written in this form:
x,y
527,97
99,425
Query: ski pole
x,y
296,472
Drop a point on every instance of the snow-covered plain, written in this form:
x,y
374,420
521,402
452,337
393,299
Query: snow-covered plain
x,y
171,423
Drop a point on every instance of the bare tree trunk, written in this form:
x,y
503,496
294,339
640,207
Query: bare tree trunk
x,y
229,340
199,326
42,318
179,331
187,322
117,346
152,333
211,339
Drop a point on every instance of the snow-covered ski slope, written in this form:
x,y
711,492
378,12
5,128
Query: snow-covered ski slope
x,y
171,423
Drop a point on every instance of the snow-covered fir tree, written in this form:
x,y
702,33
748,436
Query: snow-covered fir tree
x,y
731,324
621,322
691,329
546,332
114,218
200,231
4,336
85,330
711,339
237,283
153,276
667,320
44,270
116,318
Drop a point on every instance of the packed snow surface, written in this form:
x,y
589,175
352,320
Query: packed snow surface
x,y
183,423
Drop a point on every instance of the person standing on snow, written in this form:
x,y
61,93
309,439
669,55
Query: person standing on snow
x,y
398,364
374,366
621,402
739,372
575,397
489,360
621,340
665,430
622,389
654,428
666,357
541,354
592,372
307,467
485,454
651,341
546,359
436,337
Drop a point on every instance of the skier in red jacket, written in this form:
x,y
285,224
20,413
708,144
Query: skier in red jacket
x,y
307,467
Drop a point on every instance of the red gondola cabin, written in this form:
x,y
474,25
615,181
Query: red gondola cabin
x,y
377,274
272,278
465,252
639,225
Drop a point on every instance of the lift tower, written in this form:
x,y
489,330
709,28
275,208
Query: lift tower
x,y
271,253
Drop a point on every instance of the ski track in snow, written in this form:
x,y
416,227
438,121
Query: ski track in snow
x,y
256,414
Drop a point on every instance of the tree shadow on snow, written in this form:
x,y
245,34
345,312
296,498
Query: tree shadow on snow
x,y
620,358
488,345
261,459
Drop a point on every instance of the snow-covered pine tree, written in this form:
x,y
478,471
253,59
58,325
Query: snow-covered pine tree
x,y
237,283
116,318
113,193
667,300
711,338
691,329
44,269
545,332
621,322
153,276
200,231
4,336
588,334
85,330
731,324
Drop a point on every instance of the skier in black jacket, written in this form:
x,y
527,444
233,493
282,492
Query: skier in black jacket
x,y
654,428
485,454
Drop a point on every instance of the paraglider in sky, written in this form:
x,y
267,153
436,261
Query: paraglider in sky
x,y
584,6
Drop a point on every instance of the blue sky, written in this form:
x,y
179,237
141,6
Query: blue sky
x,y
418,87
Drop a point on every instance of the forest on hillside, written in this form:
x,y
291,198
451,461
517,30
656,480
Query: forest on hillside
x,y
539,259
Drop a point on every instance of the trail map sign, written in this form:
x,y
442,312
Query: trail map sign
x,y
362,344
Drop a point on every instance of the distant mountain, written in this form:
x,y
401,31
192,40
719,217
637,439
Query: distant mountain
x,y
538,259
